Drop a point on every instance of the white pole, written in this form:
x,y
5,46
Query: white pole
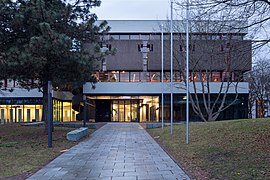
x,y
171,67
162,77
187,70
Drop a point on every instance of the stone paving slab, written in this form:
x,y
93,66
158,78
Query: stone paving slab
x,y
116,151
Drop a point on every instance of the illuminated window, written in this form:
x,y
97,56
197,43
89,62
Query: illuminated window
x,y
134,76
114,76
155,76
124,76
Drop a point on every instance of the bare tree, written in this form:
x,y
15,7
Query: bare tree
x,y
259,81
218,58
255,12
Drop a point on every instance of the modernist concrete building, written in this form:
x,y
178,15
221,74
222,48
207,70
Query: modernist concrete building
x,y
129,82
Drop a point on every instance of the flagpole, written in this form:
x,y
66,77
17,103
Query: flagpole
x,y
187,72
171,84
162,76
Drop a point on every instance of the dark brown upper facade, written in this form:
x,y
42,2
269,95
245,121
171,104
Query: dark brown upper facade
x,y
204,54
222,50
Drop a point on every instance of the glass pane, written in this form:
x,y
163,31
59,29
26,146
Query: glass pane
x,y
115,111
127,111
124,37
134,37
134,76
155,76
114,76
66,111
134,112
121,111
124,76
177,76
167,76
102,76
144,37
115,37
155,37
144,76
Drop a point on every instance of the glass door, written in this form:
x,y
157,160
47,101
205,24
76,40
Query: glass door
x,y
115,111
134,111
121,111
127,111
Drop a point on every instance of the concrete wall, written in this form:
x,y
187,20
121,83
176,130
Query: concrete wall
x,y
144,88
204,54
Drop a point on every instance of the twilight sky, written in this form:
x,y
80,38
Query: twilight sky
x,y
133,9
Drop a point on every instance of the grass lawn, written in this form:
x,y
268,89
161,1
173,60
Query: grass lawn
x,y
23,150
238,149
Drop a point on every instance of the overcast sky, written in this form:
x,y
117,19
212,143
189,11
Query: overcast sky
x,y
133,9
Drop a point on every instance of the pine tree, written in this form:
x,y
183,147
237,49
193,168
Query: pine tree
x,y
42,40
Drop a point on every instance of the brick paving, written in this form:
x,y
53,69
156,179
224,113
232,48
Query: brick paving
x,y
116,151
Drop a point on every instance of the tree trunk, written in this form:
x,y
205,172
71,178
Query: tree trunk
x,y
45,106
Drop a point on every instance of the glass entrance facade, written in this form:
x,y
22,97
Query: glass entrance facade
x,y
16,110
125,110
130,108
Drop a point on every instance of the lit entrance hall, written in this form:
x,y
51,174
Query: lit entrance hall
x,y
20,105
126,108
30,110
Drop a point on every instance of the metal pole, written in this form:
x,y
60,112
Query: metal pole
x,y
84,110
187,71
162,76
171,67
49,117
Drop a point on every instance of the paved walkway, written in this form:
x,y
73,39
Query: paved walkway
x,y
123,151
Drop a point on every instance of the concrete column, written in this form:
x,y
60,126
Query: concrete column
x,y
104,60
145,51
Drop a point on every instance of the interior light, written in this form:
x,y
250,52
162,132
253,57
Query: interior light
x,y
134,77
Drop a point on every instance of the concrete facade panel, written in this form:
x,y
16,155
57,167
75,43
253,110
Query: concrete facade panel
x,y
145,88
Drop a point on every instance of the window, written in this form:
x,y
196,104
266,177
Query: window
x,y
149,46
144,37
155,76
191,47
134,76
124,37
124,76
108,46
156,37
115,37
134,37
237,76
216,77
102,76
195,37
144,76
177,77
226,76
176,37
215,37
167,76
114,76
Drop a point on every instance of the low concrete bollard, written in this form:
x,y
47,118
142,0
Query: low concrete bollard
x,y
77,134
